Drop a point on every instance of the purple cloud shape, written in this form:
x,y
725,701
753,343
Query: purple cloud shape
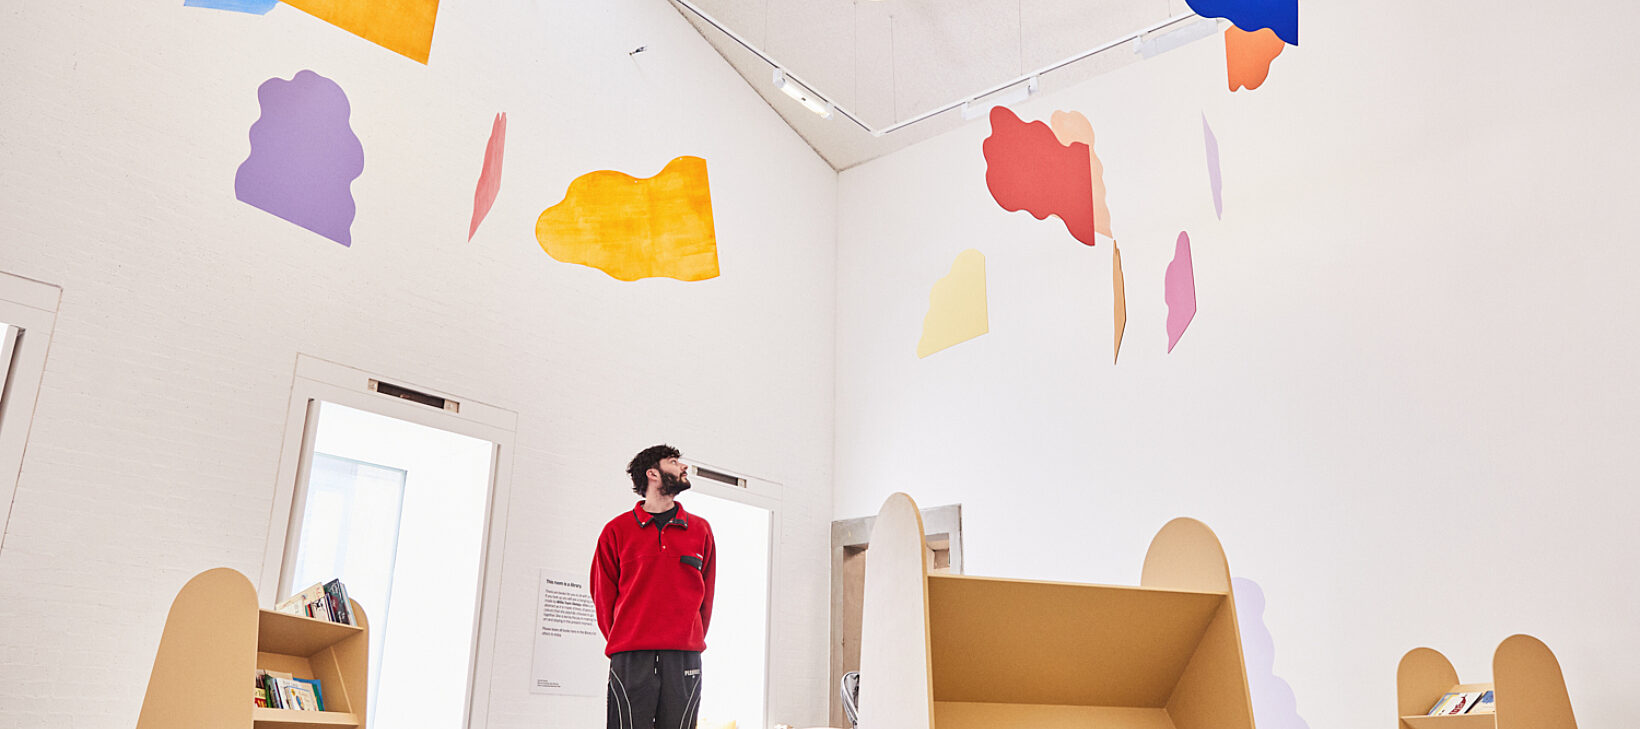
x,y
304,156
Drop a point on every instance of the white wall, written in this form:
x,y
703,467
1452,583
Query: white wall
x,y
155,444
1407,403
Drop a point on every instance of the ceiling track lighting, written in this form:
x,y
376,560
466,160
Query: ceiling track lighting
x,y
1157,35
981,105
1157,42
802,94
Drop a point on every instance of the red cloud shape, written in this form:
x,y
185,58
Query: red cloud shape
x,y
1028,169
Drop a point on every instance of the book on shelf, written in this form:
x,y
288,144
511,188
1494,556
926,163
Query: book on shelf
x,y
321,600
297,604
1441,703
1457,702
1484,705
339,603
313,688
277,690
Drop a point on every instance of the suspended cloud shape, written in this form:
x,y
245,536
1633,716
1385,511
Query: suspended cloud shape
x,y
1280,16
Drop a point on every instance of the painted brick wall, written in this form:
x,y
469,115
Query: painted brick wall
x,y
155,446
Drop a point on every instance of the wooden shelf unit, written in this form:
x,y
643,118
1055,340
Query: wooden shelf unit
x,y
290,719
1529,689
216,638
962,652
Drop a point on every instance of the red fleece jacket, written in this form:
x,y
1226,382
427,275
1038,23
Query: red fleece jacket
x,y
653,586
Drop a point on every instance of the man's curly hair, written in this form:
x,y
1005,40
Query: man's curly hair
x,y
646,459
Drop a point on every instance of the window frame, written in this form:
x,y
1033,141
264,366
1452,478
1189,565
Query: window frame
x,y
31,306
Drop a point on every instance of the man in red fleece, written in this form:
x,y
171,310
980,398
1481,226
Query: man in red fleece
x,y
652,580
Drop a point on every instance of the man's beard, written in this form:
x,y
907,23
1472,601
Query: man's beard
x,y
673,485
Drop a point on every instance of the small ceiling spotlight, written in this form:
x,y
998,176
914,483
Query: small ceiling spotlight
x,y
802,95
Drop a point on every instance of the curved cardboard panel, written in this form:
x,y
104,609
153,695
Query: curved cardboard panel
x,y
1186,555
894,652
207,655
352,658
1213,691
1531,691
1423,676
1107,645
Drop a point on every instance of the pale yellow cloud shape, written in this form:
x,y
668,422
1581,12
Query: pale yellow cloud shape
x,y
957,306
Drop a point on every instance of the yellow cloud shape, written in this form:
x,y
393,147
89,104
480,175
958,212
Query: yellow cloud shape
x,y
401,26
634,228
956,307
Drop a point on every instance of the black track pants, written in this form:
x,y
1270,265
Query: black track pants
x,y
654,689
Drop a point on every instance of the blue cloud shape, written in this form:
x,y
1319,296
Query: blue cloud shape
x,y
254,7
1280,16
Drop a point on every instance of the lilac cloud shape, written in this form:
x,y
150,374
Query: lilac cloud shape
x,y
1213,180
1275,706
304,156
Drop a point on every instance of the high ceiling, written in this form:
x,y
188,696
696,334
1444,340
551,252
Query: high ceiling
x,y
888,61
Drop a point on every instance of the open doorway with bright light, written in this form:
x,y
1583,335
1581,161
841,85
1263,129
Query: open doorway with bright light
x,y
735,666
398,492
396,510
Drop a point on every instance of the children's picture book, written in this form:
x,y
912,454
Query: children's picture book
x,y
1441,704
318,695
1484,705
301,695
339,604
322,600
1461,705
297,604
1458,702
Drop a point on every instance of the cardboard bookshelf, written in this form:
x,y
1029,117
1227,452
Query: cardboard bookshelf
x,y
215,638
1530,692
961,652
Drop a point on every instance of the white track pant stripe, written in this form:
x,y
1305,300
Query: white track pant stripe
x,y
694,700
625,719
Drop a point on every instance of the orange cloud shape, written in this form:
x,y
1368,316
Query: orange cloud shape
x,y
1248,56
1070,127
634,228
401,26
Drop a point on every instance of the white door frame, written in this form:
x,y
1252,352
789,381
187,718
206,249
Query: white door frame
x,y
317,380
763,494
32,307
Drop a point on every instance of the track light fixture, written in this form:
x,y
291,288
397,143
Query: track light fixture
x,y
802,95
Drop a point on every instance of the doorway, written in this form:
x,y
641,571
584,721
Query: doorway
x,y
400,492
395,509
735,666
